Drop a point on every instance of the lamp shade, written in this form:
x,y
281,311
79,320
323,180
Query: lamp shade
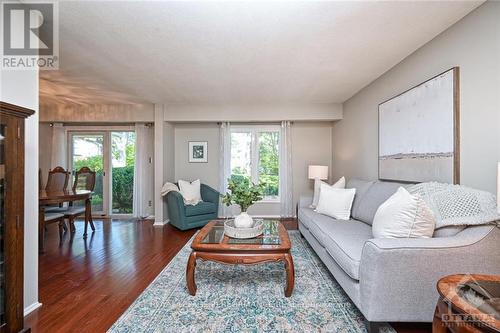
x,y
318,172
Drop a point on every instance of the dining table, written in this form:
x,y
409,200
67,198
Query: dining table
x,y
46,198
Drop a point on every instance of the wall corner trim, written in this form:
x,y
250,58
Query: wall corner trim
x,y
30,308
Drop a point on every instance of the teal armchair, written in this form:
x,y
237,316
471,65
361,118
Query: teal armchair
x,y
186,217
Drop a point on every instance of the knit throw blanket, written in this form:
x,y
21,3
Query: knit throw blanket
x,y
457,205
168,187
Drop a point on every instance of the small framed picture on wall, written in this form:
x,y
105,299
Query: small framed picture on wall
x,y
198,151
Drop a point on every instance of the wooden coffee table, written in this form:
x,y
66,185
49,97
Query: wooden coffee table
x,y
456,313
211,244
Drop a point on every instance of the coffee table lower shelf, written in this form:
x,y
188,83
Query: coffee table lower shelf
x,y
241,259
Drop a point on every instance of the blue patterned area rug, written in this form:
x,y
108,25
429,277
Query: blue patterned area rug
x,y
244,298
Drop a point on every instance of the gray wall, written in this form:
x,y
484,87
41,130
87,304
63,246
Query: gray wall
x,y
207,172
473,44
311,144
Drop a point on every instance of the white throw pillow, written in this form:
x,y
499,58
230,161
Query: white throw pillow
x,y
190,191
336,202
317,189
403,215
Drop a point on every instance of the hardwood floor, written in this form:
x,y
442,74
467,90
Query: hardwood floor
x,y
85,285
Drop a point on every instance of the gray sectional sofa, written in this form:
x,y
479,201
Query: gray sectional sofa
x,y
393,280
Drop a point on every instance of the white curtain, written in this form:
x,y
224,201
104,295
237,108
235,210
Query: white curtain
x,y
143,171
224,164
286,177
59,146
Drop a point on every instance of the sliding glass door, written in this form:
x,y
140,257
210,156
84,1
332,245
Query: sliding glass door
x,y
87,150
122,172
111,154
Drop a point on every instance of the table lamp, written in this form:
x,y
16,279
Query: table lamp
x,y
318,173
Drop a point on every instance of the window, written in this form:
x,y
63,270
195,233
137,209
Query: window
x,y
255,155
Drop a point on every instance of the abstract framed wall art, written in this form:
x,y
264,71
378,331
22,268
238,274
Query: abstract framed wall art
x,y
419,132
198,151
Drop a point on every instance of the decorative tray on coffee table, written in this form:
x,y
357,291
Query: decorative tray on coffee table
x,y
232,231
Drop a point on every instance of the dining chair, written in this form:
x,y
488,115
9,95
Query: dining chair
x,y
53,218
84,180
58,180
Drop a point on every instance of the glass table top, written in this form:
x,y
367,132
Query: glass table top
x,y
270,236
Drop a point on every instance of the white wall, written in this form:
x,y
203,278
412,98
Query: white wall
x,y
311,144
21,88
473,44
252,113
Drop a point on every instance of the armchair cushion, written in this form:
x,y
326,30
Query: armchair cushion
x,y
201,208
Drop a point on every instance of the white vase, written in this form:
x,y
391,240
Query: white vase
x,y
243,220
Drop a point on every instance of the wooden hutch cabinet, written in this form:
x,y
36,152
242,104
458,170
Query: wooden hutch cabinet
x,y
11,216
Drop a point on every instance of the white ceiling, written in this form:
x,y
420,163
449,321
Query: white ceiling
x,y
237,52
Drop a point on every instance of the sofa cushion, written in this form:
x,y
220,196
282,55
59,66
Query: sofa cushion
x,y
343,240
315,226
190,191
374,196
403,215
317,189
336,202
361,187
201,208
306,215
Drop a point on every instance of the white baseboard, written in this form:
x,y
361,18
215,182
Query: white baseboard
x,y
161,224
29,309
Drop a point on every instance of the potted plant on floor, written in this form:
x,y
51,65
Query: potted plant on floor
x,y
243,193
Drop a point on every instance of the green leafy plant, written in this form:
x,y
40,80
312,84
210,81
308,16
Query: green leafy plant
x,y
243,193
123,189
